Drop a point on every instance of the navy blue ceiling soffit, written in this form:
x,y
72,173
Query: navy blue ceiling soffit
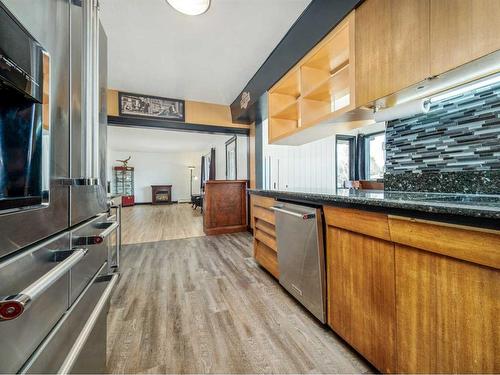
x,y
317,20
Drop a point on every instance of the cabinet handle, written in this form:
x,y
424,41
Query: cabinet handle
x,y
13,306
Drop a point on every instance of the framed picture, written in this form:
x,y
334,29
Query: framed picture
x,y
138,105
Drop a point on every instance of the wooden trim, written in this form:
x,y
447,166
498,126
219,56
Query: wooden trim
x,y
210,114
450,225
225,230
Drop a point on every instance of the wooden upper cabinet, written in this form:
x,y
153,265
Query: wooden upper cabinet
x,y
392,47
462,30
318,90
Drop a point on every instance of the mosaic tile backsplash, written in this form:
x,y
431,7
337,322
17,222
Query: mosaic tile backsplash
x,y
453,148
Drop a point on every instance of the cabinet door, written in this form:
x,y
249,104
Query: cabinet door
x,y
392,47
461,31
447,314
361,294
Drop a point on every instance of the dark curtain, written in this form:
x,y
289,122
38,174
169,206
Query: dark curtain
x,y
212,165
360,170
202,177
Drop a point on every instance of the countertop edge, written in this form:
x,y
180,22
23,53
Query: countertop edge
x,y
455,210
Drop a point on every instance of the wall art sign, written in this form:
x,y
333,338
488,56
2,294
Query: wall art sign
x,y
245,99
139,105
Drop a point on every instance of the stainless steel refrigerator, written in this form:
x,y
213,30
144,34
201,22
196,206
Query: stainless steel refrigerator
x,y
55,282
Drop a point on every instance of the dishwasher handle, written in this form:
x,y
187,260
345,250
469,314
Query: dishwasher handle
x,y
305,216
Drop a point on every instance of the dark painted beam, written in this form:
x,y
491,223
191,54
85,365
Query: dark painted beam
x,y
317,20
133,122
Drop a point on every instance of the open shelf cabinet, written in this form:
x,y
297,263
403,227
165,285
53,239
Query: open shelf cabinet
x,y
319,89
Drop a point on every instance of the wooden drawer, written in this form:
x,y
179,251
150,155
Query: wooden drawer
x,y
265,227
267,239
265,202
264,214
266,257
368,223
481,246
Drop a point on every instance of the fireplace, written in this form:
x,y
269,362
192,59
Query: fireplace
x,y
161,194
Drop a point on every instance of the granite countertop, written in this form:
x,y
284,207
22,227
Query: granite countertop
x,y
472,205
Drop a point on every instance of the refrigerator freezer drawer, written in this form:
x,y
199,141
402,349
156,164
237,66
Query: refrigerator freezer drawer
x,y
94,236
20,336
78,342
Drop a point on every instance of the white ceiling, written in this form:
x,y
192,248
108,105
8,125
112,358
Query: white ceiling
x,y
153,140
153,49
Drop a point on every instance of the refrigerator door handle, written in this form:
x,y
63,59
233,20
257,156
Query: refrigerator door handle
x,y
13,306
87,329
77,181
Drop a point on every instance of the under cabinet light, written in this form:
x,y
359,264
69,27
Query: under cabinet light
x,y
465,88
190,7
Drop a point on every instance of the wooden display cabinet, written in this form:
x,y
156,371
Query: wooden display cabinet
x,y
124,184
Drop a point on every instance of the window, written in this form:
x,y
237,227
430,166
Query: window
x,y
231,167
375,156
345,157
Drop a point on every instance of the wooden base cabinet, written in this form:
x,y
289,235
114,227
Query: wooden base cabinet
x,y
414,296
448,314
361,295
265,249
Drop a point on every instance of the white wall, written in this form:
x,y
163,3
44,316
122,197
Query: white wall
x,y
310,166
158,169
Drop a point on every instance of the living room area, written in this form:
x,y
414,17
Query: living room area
x,y
160,177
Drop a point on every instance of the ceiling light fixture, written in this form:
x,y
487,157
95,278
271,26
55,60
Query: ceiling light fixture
x,y
190,7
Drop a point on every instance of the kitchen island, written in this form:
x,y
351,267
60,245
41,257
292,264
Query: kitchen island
x,y
412,278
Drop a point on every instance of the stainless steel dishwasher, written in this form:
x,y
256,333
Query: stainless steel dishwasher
x,y
301,255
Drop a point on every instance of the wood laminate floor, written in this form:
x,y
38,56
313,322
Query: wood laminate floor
x,y
151,223
202,305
